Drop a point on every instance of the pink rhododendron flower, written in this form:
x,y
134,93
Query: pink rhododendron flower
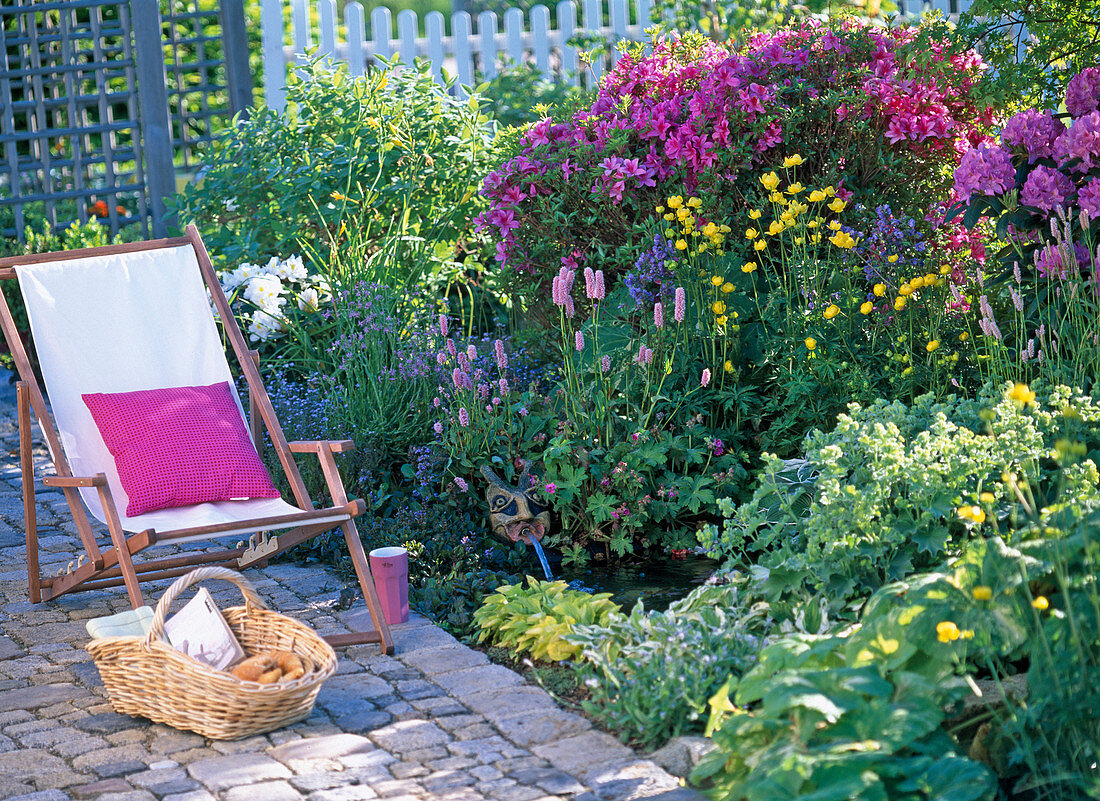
x,y
1080,141
1088,198
1046,189
1083,92
1032,133
984,170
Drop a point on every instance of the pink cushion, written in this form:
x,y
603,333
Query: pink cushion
x,y
179,446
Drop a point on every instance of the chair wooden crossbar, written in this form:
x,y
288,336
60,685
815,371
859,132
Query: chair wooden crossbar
x,y
113,566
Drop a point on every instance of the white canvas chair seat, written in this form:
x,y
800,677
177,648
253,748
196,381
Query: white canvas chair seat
x,y
137,317
133,335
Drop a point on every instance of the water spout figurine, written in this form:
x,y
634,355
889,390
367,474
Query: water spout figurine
x,y
515,514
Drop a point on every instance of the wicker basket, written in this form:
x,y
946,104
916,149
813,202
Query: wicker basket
x,y
147,677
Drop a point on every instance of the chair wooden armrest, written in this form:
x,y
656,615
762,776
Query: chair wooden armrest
x,y
98,480
320,445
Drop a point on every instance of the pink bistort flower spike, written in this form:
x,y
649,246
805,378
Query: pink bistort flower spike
x,y
578,341
704,379
451,349
502,385
589,283
501,356
570,310
658,315
460,483
463,417
443,324
599,292
437,427
605,364
471,352
681,305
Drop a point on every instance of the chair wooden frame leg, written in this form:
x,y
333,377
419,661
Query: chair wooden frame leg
x,y
30,514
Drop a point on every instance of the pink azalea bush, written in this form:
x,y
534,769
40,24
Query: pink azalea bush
x,y
862,106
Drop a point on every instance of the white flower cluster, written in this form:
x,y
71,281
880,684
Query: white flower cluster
x,y
266,291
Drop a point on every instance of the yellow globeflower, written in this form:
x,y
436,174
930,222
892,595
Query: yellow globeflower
x,y
831,311
795,188
778,197
879,290
946,631
670,216
1022,394
816,196
751,233
797,208
728,366
811,343
867,307
1041,603
793,161
892,258
675,202
964,336
721,320
682,213
787,217
695,202
748,267
718,307
815,238
837,205
982,593
660,209
917,283
681,244
759,244
974,514
905,290
932,345
945,269
899,303
987,497
754,214
717,280
834,226
929,279
727,288
710,229
907,370
770,181
775,227
829,190
843,240
813,224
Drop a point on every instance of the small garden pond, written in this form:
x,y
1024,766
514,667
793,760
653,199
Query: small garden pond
x,y
657,583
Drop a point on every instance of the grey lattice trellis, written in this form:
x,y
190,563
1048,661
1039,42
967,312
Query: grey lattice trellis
x,y
85,99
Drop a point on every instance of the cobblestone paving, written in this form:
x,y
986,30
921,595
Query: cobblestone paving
x,y
434,721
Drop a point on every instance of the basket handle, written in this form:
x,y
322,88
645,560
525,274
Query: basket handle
x,y
156,630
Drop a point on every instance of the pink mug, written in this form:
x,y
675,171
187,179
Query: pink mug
x,y
390,568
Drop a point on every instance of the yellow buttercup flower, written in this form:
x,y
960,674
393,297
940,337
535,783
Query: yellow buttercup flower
x,y
793,161
905,290
907,370
787,217
718,307
899,303
778,197
759,245
675,202
831,311
695,202
670,216
721,320
810,343
795,188
975,514
813,224
339,196
834,226
982,593
932,346
1022,394
797,208
710,230
727,288
754,214
681,244
892,258
917,282
660,209
945,269
987,497
929,279
817,196
683,214
815,238
770,181
867,307
728,366
751,233
879,290
837,205
748,267
946,631
775,227
964,336
717,280
1041,603
830,191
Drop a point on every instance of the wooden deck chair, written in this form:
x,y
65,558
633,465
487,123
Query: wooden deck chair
x,y
137,316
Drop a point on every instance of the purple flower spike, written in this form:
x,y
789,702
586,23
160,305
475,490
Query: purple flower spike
x,y
658,315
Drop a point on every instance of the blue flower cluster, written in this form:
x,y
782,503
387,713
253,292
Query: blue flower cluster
x,y
889,236
651,280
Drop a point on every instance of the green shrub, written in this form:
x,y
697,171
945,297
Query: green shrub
x,y
392,143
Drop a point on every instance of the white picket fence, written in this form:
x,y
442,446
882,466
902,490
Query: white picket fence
x,y
471,53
